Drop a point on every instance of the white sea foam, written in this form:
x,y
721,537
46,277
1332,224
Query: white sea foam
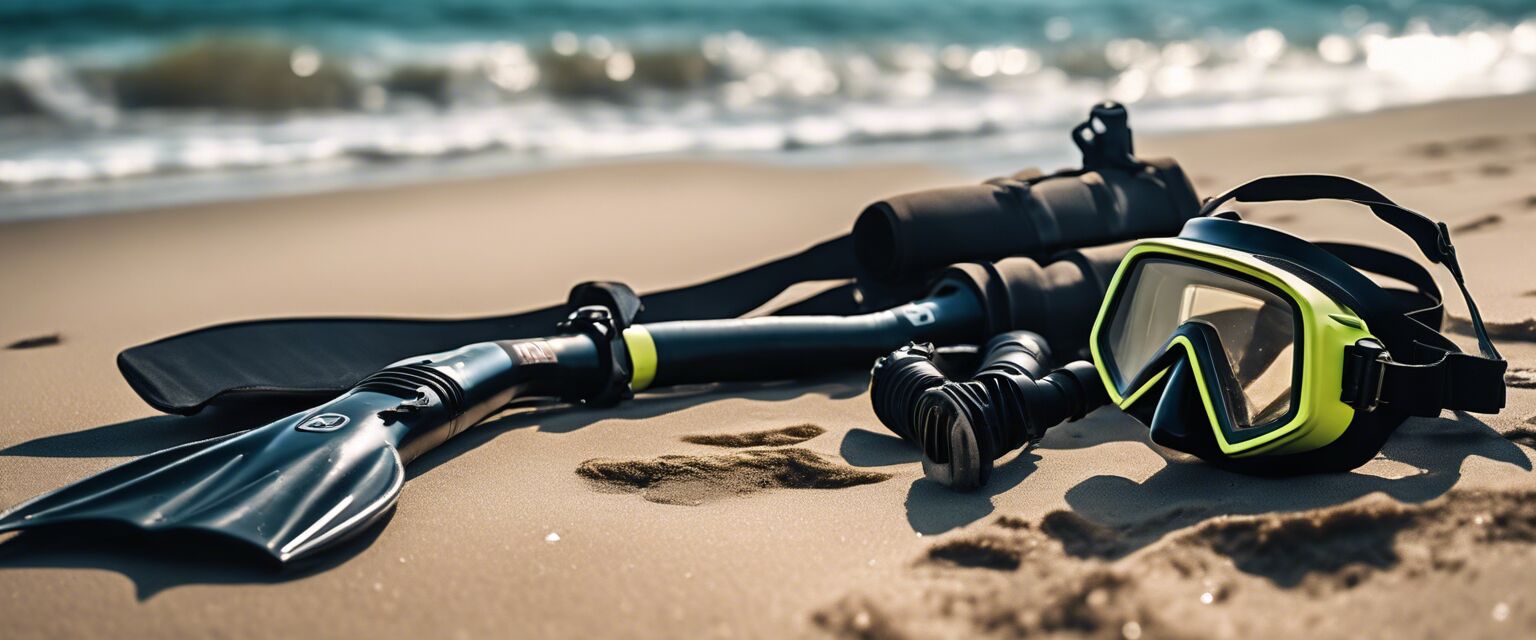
x,y
577,97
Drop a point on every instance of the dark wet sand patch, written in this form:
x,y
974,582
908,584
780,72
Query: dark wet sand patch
x,y
694,480
1196,577
769,438
1084,538
1476,144
980,552
37,342
1437,176
1432,149
1495,170
1484,222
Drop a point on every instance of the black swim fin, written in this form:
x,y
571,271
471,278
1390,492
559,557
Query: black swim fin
x,y
317,477
280,490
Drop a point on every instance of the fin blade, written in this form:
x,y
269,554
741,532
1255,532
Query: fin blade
x,y
370,491
284,492
76,499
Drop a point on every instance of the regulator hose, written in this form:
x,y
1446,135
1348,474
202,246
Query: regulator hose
x,y
963,426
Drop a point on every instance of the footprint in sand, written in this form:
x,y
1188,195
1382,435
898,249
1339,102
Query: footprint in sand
x,y
1522,436
693,480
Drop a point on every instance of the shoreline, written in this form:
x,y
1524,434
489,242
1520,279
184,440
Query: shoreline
x,y
964,156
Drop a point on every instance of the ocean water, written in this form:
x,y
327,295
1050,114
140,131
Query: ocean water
x,y
120,103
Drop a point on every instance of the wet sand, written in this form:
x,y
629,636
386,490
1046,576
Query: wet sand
x,y
777,509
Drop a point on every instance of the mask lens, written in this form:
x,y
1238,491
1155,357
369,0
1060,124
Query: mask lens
x,y
1255,327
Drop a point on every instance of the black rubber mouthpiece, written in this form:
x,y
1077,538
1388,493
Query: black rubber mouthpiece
x,y
963,426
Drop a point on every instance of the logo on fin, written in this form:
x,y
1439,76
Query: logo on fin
x,y
325,422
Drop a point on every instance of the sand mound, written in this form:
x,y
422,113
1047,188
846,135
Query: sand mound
x,y
694,480
1015,578
770,438
982,551
1521,378
1476,224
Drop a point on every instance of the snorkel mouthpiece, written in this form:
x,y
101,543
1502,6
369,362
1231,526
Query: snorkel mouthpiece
x,y
957,452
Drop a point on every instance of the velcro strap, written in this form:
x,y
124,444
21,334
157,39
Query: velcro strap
x,y
1459,381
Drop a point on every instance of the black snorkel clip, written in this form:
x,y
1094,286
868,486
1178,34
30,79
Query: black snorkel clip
x,y
1105,139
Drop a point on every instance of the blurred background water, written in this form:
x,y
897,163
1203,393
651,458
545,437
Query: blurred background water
x,y
119,103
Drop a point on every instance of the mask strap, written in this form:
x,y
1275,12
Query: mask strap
x,y
1432,238
1454,380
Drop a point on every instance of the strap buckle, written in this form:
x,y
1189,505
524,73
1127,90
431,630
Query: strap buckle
x,y
1365,373
1443,241
598,323
622,302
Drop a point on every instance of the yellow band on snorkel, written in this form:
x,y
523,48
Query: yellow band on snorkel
x,y
642,356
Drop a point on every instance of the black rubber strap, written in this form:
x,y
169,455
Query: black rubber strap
x,y
1457,380
1449,379
289,363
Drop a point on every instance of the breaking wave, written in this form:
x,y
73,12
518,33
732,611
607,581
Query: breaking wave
x,y
229,96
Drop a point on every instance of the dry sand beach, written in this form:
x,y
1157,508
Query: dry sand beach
x,y
766,510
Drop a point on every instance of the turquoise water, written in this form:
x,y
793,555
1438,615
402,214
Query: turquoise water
x,y
353,23
97,96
